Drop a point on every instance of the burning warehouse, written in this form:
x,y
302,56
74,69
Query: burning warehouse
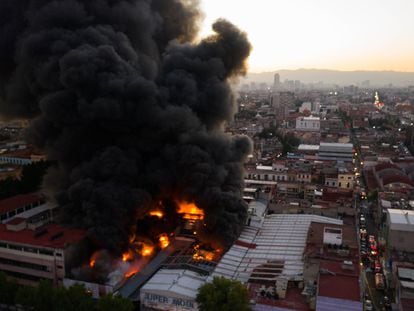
x,y
130,109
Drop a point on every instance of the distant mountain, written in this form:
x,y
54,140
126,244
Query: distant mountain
x,y
376,78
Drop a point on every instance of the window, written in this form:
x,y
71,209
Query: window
x,y
30,249
27,265
45,252
16,247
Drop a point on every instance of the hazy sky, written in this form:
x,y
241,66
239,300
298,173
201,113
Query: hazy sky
x,y
325,34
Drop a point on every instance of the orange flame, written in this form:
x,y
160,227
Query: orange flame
x,y
92,263
92,260
147,250
130,273
202,254
157,213
127,256
164,241
190,211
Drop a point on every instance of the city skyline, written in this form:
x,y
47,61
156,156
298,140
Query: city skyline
x,y
347,35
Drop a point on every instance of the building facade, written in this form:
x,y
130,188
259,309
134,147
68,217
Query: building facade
x,y
308,124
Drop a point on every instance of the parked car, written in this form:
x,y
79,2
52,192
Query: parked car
x,y
368,305
377,266
379,281
387,303
373,246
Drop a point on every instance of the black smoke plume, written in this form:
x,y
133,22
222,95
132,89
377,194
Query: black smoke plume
x,y
128,106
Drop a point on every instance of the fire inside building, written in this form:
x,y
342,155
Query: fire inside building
x,y
34,248
129,106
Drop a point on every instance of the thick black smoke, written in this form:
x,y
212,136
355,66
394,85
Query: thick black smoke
x,y
128,106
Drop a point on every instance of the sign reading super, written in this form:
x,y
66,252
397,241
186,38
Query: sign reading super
x,y
151,299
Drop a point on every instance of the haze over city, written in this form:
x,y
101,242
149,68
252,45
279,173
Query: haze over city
x,y
323,34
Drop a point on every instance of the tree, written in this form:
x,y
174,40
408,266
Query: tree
x,y
47,297
223,295
289,142
7,290
74,298
372,196
32,176
30,181
26,296
110,302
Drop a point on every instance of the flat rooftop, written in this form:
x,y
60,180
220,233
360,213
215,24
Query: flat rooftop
x,y
52,235
401,220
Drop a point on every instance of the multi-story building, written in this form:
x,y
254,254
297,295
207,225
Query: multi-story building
x,y
401,229
310,123
345,179
331,257
33,249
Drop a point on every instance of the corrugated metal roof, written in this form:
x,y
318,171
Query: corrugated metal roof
x,y
329,304
176,282
261,307
280,239
406,273
401,219
407,284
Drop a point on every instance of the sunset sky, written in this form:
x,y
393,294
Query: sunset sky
x,y
323,34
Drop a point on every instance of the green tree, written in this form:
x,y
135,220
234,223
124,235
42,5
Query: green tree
x,y
8,290
32,176
26,296
9,187
289,142
372,196
110,302
30,181
45,297
223,295
268,132
74,298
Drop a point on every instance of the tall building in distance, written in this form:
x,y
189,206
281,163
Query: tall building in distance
x,y
276,82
